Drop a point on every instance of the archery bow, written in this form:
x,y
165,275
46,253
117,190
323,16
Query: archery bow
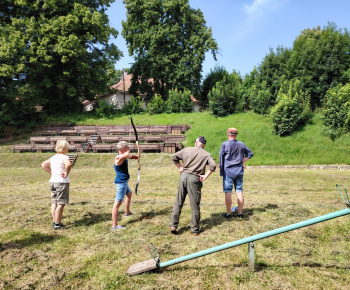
x,y
138,153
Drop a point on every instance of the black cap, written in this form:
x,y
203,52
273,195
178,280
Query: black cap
x,y
202,139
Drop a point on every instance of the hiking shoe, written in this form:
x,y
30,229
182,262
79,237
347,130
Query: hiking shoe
x,y
239,215
173,230
117,227
59,227
128,214
227,216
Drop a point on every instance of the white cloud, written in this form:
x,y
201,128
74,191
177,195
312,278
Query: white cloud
x,y
255,16
260,7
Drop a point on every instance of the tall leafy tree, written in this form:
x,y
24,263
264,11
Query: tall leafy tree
x,y
54,53
319,59
215,75
168,40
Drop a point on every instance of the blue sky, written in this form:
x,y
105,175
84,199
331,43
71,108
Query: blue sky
x,y
246,29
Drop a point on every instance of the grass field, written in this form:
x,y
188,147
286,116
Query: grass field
x,y
88,255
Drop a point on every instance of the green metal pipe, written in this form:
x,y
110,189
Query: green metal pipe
x,y
257,237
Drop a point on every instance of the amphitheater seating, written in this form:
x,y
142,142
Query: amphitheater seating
x,y
152,138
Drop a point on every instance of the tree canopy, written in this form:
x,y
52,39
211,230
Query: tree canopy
x,y
54,53
168,40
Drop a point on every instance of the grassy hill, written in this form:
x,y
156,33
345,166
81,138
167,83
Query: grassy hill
x,y
310,145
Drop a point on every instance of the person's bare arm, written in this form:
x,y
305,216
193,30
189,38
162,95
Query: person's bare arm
x,y
68,166
46,166
119,159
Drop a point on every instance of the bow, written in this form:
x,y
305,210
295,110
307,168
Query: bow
x,y
138,153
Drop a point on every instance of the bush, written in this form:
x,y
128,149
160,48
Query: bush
x,y
157,105
179,102
135,106
336,112
225,97
104,109
292,108
286,116
260,100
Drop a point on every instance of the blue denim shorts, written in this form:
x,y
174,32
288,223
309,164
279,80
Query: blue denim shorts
x,y
122,190
229,182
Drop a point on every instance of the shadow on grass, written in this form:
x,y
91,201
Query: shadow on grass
x,y
92,219
217,218
34,238
151,214
257,268
263,266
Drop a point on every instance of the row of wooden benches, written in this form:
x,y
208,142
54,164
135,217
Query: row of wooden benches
x,y
107,139
113,130
166,147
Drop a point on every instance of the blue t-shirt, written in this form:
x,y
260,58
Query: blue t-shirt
x,y
232,153
122,172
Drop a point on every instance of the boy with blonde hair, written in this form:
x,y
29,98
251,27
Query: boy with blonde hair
x,y
59,167
121,182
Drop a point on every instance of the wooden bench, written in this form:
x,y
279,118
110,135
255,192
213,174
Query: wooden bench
x,y
77,139
18,148
150,138
49,133
53,139
110,139
103,148
73,147
150,147
34,140
44,148
120,131
87,132
69,132
174,138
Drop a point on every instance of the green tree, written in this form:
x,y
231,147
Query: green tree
x,y
168,40
215,75
225,97
273,71
54,53
319,60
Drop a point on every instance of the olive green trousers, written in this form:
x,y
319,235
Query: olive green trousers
x,y
191,185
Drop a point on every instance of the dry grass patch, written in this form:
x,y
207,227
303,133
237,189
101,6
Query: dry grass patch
x,y
89,255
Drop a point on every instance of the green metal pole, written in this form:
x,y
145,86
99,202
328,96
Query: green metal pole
x,y
257,237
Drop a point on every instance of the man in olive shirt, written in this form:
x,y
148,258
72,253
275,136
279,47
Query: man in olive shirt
x,y
192,175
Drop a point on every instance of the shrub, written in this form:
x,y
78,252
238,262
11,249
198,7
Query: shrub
x,y
260,100
135,106
336,112
292,108
225,97
157,105
104,109
179,102
286,116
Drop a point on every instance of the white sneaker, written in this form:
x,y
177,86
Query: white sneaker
x,y
117,227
